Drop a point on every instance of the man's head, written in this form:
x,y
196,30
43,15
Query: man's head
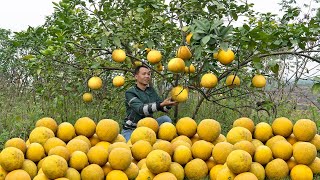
x,y
137,69
142,75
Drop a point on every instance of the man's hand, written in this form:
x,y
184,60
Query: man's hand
x,y
168,102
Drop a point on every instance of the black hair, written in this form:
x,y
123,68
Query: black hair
x,y
137,69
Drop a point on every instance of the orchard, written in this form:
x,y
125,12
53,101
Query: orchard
x,y
232,70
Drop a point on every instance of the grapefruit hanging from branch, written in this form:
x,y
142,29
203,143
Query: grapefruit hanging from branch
x,y
176,65
154,56
95,83
118,55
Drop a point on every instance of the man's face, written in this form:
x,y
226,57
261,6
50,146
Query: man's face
x,y
143,76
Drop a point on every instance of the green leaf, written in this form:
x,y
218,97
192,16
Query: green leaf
x,y
315,88
39,30
28,57
108,33
216,23
196,36
188,63
150,44
104,41
116,41
302,45
277,42
272,62
95,65
246,27
155,6
16,43
199,31
197,52
46,52
55,4
159,18
185,28
38,71
234,15
140,10
224,46
218,4
201,25
244,38
275,68
225,31
205,39
68,88
294,41
257,63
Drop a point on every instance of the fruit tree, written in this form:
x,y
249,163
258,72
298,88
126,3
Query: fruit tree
x,y
216,50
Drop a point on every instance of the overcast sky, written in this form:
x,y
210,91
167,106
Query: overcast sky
x,y
17,15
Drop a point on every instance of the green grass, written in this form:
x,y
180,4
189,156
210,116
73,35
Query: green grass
x,y
19,112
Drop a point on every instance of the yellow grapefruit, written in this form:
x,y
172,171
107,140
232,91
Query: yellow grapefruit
x,y
95,83
118,55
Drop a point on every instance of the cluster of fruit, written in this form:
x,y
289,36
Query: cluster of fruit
x,y
177,65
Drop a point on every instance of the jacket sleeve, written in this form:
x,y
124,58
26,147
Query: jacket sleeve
x,y
138,106
159,100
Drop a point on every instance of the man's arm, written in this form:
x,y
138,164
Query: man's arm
x,y
138,106
165,105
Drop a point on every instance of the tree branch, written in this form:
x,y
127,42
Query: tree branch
x,y
289,52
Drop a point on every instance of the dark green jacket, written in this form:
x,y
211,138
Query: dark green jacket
x,y
141,104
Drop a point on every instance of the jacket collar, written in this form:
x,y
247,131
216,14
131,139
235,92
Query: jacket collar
x,y
141,89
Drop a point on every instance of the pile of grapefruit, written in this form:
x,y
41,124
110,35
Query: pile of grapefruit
x,y
187,150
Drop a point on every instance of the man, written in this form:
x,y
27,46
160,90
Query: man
x,y
142,101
